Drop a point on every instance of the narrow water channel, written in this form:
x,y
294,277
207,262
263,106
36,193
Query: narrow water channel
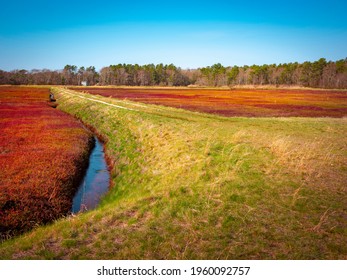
x,y
95,182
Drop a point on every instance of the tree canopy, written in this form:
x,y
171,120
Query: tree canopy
x,y
320,73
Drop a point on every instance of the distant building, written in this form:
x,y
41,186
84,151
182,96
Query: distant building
x,y
84,83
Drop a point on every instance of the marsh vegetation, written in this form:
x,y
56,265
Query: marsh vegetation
x,y
189,185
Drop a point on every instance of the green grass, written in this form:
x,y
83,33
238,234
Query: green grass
x,y
196,186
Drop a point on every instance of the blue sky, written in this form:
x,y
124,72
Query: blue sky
x,y
190,34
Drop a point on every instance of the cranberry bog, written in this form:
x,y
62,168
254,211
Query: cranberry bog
x,y
43,153
191,185
238,102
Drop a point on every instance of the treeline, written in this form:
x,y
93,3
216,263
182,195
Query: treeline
x,y
70,75
320,73
145,75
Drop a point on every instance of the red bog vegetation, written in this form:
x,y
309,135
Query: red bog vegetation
x,y
240,102
43,153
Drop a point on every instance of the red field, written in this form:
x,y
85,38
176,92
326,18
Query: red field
x,y
42,153
239,102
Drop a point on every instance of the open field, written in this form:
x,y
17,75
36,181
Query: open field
x,y
188,185
42,153
238,102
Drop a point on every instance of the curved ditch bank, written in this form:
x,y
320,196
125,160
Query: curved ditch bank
x,y
95,182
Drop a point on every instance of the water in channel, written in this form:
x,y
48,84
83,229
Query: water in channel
x,y
95,182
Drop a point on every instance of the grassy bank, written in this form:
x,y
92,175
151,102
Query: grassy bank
x,y
196,186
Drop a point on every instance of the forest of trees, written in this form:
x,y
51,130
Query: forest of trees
x,y
320,74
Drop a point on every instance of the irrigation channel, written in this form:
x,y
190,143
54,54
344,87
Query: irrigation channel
x,y
95,182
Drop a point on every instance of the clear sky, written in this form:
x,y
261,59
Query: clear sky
x,y
190,34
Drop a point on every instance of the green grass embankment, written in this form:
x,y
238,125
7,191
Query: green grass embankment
x,y
195,186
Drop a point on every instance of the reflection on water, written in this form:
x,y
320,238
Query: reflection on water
x,y
95,182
